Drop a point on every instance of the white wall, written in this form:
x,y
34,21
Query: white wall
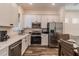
x,y
8,14
70,26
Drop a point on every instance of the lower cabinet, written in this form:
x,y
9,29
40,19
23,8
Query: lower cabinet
x,y
25,43
4,52
44,40
29,40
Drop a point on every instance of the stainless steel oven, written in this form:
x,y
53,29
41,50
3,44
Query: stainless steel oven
x,y
36,38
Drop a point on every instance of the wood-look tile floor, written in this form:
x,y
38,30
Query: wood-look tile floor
x,y
41,51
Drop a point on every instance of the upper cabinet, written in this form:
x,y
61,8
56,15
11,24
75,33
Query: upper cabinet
x,y
44,21
27,21
53,18
36,18
8,14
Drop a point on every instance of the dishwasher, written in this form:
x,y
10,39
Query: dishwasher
x,y
15,48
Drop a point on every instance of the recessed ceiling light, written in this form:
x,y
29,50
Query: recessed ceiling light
x,y
53,3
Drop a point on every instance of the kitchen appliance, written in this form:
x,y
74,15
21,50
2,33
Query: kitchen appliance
x,y
3,36
53,29
36,34
15,48
36,37
36,25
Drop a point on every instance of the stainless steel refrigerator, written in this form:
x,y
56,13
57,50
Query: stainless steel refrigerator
x,y
53,29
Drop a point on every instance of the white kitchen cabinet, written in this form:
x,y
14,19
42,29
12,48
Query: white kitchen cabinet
x,y
25,43
48,18
44,22
27,21
53,18
29,40
44,40
36,18
4,51
8,14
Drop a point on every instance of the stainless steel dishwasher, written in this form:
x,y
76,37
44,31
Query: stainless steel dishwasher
x,y
15,48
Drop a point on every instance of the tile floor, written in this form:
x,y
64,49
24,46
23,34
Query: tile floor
x,y
41,51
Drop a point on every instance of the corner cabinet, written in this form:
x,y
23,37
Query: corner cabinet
x,y
8,14
25,43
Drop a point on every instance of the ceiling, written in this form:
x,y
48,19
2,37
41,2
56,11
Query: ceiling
x,y
48,6
41,6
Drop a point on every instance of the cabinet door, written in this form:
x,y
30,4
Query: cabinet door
x,y
44,21
27,21
36,18
53,18
4,52
50,19
29,40
44,39
23,45
26,42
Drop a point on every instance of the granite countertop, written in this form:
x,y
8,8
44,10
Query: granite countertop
x,y
11,40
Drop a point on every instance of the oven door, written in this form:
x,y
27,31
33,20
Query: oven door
x,y
35,39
